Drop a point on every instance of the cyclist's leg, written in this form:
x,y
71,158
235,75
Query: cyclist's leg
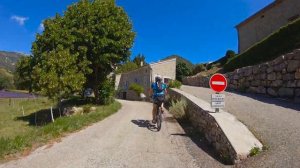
x,y
154,111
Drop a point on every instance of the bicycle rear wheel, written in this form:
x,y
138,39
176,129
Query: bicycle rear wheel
x,y
158,119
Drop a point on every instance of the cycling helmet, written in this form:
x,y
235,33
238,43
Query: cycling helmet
x,y
158,79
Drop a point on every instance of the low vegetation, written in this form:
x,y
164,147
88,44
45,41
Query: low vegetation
x,y
175,84
254,151
284,40
6,79
177,108
18,132
137,88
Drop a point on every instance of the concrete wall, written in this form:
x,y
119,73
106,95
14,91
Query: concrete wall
x,y
266,22
277,78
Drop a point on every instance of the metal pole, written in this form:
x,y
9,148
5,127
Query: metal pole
x,y
217,109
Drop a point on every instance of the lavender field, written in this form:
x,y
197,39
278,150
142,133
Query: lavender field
x,y
9,94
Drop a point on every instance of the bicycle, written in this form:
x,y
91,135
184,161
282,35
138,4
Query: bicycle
x,y
159,115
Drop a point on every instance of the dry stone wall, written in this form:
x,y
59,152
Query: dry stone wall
x,y
196,81
277,78
204,122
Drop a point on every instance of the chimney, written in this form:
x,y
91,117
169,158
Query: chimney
x,y
142,63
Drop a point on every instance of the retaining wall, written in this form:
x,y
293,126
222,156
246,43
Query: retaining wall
x,y
277,78
231,139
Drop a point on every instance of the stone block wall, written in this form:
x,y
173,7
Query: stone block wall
x,y
206,123
277,78
196,80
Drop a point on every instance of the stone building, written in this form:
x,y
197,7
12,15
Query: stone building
x,y
266,21
144,76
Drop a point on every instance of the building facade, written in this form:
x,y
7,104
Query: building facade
x,y
145,75
266,21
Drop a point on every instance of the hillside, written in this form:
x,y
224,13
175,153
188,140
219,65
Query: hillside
x,y
8,60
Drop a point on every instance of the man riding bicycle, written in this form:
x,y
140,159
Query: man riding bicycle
x,y
158,92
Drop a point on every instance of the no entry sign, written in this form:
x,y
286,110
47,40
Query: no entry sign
x,y
218,83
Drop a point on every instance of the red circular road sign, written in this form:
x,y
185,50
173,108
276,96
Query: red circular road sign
x,y
218,82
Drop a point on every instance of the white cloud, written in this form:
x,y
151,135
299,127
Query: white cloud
x,y
41,27
19,19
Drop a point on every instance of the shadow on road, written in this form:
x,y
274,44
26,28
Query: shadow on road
x,y
199,140
145,124
285,103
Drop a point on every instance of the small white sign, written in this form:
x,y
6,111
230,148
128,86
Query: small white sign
x,y
217,97
218,104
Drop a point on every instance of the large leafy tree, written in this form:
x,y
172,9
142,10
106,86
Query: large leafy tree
x,y
182,70
94,35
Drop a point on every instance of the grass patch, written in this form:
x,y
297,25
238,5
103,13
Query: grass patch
x,y
17,135
254,151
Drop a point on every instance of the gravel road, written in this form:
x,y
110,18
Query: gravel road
x,y
275,122
122,140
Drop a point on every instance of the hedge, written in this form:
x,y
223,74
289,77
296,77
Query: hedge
x,y
280,42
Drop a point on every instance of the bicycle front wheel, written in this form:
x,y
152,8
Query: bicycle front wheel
x,y
159,120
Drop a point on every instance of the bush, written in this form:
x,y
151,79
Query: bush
x,y
178,109
137,88
175,84
107,92
199,68
284,40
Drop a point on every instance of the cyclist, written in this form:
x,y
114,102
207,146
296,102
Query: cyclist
x,y
158,89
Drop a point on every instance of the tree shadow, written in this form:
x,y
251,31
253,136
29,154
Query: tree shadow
x,y
41,117
145,124
198,138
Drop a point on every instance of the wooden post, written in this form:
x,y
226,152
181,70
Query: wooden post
x,y
52,118
23,111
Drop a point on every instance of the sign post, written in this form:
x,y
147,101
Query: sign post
x,y
218,83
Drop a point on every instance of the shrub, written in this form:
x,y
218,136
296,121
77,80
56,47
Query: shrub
x,y
199,68
107,92
175,84
137,88
178,109
284,40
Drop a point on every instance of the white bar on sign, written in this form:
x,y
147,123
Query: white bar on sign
x,y
218,83
217,96
218,104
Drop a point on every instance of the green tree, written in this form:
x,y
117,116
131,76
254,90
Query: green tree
x,y
22,76
139,60
6,79
182,70
59,77
98,34
126,67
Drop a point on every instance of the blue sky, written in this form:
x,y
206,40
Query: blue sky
x,y
199,30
